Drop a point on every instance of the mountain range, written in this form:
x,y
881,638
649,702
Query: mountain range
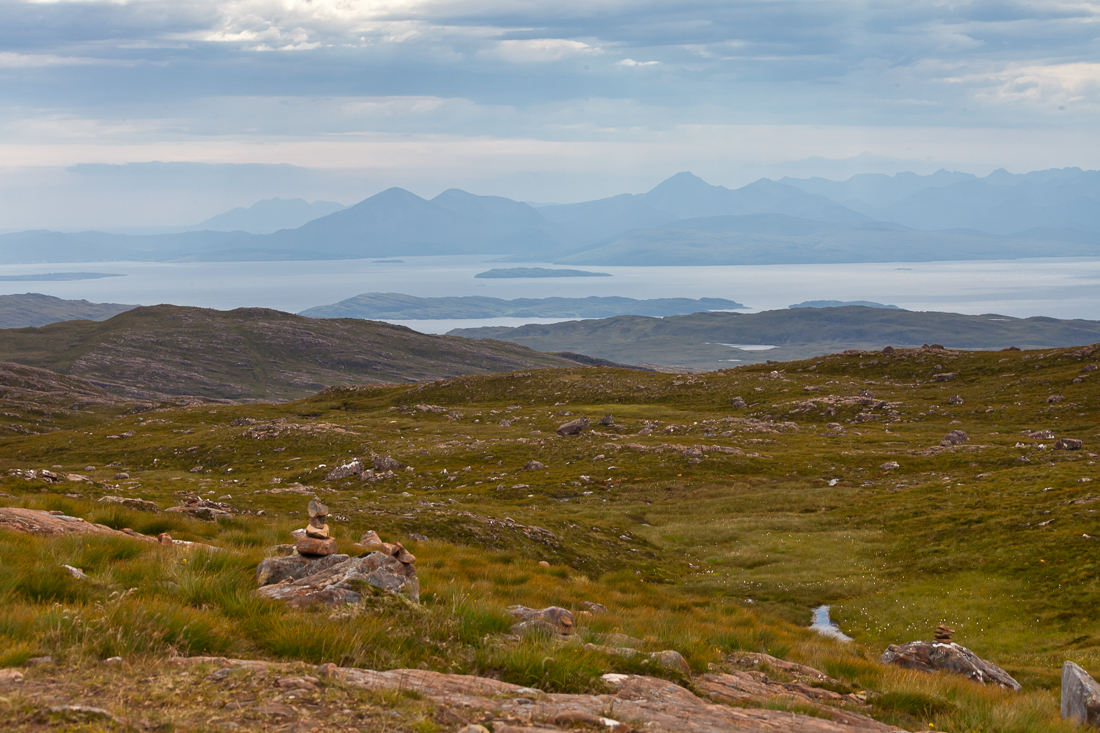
x,y
684,220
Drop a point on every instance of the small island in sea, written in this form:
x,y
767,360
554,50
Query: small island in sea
x,y
58,276
513,272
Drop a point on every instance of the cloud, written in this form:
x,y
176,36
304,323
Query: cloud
x,y
540,50
632,62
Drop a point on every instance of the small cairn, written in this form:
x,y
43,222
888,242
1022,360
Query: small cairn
x,y
942,634
317,540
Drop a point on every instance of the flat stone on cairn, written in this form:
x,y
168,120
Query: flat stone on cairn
x,y
942,634
317,540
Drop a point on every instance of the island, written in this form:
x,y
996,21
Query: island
x,y
514,272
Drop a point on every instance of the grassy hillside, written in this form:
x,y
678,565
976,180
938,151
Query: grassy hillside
x,y
35,309
699,341
250,353
709,552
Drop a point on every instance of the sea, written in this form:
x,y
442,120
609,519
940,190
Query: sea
x,y
1055,287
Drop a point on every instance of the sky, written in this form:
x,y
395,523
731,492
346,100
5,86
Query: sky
x,y
144,113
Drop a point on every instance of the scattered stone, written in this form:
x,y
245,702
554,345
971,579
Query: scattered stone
x,y
417,537
10,677
944,377
607,419
738,403
533,465
140,505
543,564
196,469
354,468
573,427
932,656
121,475
1055,399
204,509
1085,368
955,437
315,546
38,662
472,728
294,567
1041,435
593,607
75,572
112,660
955,400
890,466
1068,444
89,468
1080,696
370,541
297,534
888,350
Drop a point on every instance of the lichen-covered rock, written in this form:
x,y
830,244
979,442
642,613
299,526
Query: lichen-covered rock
x,y
1068,444
386,463
1080,695
738,403
293,567
931,656
353,468
378,570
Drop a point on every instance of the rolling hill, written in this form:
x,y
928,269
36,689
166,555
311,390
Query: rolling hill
x,y
35,309
710,340
251,353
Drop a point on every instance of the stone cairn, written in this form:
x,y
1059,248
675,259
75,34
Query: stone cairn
x,y
316,541
942,634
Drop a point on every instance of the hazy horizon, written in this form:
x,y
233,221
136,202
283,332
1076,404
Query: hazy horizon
x,y
158,113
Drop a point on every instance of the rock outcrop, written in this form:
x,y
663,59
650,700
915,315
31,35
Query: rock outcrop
x,y
932,656
1080,696
346,581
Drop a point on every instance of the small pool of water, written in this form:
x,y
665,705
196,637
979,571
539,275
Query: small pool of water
x,y
824,626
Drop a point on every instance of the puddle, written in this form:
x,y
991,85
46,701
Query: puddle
x,y
826,627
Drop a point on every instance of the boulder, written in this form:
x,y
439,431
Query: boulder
x,y
377,570
1068,444
738,403
385,463
140,505
573,427
314,546
1080,696
955,437
606,420
955,400
533,465
294,567
1055,399
931,656
890,466
1041,435
944,377
354,468
558,619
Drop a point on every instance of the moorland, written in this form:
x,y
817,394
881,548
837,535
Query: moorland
x,y
696,525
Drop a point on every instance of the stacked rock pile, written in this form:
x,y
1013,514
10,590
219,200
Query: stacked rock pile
x,y
942,634
317,540
314,573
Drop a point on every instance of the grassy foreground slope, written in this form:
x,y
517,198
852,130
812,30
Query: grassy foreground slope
x,y
250,353
709,552
704,340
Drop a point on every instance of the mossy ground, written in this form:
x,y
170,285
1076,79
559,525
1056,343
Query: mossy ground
x,y
727,553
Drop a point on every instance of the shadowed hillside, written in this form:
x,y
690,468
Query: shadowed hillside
x,y
250,353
